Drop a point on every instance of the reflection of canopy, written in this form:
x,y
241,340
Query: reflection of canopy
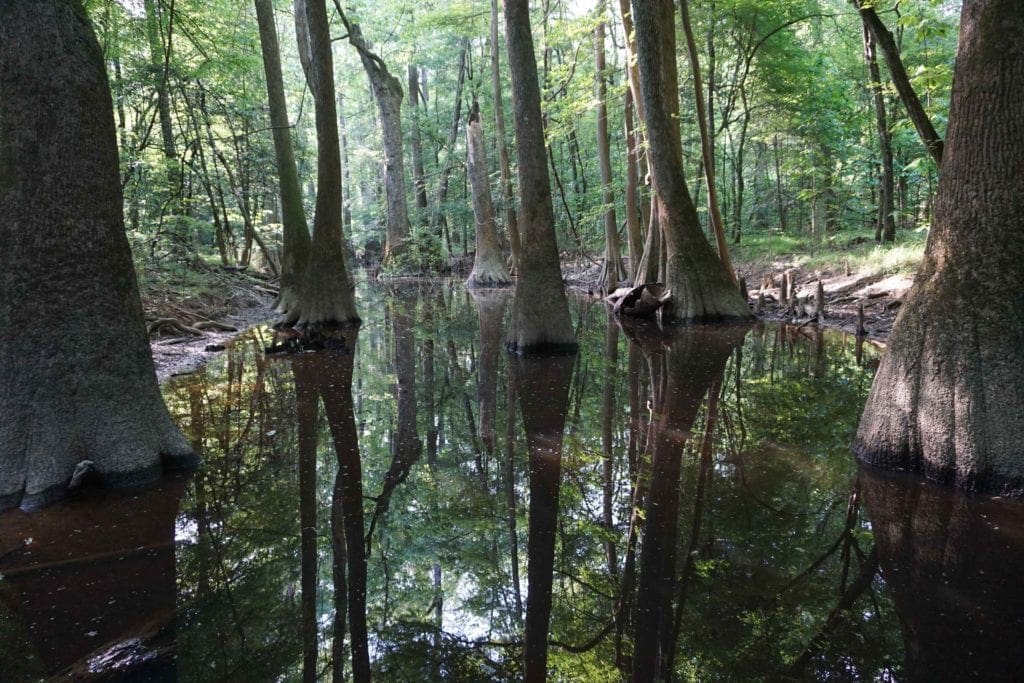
x,y
94,581
955,568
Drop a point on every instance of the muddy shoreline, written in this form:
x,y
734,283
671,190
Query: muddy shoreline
x,y
881,297
183,355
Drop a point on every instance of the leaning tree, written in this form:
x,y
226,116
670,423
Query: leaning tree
x,y
948,399
78,387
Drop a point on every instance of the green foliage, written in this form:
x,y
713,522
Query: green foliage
x,y
421,254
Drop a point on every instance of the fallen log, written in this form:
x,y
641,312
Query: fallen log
x,y
640,301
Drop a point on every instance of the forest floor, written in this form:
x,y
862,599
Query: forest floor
x,y
854,272
192,314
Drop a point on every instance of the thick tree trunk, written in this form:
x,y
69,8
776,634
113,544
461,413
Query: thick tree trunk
x,y
915,110
613,273
489,264
293,216
75,365
948,399
540,311
700,284
508,198
886,231
327,295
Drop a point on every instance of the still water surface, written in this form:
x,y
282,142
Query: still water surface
x,y
413,503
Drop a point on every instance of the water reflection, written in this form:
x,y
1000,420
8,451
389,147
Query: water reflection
x,y
954,569
412,503
542,383
89,586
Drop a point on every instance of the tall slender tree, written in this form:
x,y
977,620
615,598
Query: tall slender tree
x,y
79,390
540,311
915,110
387,93
886,226
707,142
613,272
293,215
508,198
948,399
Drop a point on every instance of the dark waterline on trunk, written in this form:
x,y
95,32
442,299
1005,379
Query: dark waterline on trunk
x,y
767,551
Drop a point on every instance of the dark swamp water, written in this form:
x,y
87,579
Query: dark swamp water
x,y
430,508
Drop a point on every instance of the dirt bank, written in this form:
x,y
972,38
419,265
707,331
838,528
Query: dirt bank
x,y
190,320
881,295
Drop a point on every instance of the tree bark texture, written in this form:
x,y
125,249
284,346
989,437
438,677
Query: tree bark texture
x,y
489,263
700,285
387,93
507,195
707,143
613,273
293,215
948,399
886,225
327,295
540,311
75,365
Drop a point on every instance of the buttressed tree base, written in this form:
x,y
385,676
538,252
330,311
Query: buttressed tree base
x,y
79,389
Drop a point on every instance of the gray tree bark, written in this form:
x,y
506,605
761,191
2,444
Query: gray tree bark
x,y
387,92
508,197
540,311
613,273
488,264
327,294
75,365
948,399
293,215
700,285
